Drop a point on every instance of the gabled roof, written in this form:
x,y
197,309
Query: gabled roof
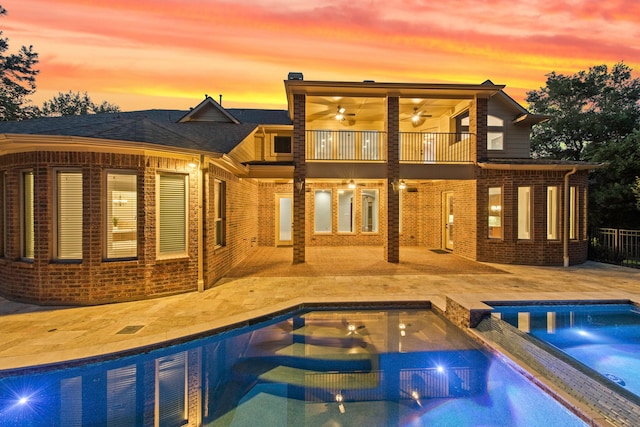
x,y
208,111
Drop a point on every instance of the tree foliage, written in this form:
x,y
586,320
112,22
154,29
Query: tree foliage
x,y
75,103
595,116
587,109
17,80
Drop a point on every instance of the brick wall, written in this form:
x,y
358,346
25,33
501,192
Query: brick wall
x,y
93,280
242,221
538,250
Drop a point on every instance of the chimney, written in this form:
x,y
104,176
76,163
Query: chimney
x,y
295,76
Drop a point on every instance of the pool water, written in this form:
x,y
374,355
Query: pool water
x,y
604,337
309,368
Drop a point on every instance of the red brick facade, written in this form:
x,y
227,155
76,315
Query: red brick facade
x,y
94,280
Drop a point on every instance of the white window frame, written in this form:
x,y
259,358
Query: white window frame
x,y
573,219
220,208
68,216
182,252
495,212
27,215
346,216
552,213
524,213
128,225
323,211
375,211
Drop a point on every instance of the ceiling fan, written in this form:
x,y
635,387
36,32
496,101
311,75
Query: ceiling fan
x,y
345,118
417,116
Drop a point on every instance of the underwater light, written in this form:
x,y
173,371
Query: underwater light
x,y
440,368
23,400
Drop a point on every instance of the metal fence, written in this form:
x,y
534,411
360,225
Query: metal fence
x,y
615,246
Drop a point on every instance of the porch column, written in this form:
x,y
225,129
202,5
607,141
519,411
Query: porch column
x,y
392,245
299,176
478,126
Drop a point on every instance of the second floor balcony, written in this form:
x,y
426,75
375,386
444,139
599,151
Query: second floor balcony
x,y
371,146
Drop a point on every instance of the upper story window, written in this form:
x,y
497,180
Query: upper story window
x,y
495,130
68,231
122,215
281,144
172,215
27,218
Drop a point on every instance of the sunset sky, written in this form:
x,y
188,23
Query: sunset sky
x,y
142,54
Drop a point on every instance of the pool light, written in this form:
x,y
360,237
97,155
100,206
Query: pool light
x,y
440,368
23,400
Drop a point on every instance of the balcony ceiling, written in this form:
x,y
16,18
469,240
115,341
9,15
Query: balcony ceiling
x,y
369,109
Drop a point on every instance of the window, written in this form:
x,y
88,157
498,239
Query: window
x,y
524,212
219,212
495,213
369,211
345,211
572,212
122,215
495,133
552,213
172,212
28,229
282,144
495,130
69,212
322,212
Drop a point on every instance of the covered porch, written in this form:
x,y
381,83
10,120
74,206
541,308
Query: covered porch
x,y
355,261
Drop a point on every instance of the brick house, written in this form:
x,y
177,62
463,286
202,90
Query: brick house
x,y
116,207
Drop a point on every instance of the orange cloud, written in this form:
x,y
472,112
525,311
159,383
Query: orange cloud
x,y
162,51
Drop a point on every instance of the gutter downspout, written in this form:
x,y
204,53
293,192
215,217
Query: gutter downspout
x,y
565,231
200,225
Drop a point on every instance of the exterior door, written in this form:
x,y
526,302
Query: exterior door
x,y
447,235
284,219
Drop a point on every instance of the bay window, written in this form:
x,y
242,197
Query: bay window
x,y
27,221
122,215
69,211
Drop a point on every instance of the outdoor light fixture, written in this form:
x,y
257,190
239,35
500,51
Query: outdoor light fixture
x,y
352,184
398,185
300,185
340,113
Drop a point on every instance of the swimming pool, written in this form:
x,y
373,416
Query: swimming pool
x,y
348,367
604,337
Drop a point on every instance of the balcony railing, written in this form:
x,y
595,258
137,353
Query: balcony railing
x,y
435,147
346,145
371,146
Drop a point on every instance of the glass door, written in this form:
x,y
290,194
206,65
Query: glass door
x,y
284,219
447,200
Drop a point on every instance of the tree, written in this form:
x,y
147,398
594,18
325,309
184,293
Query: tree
x,y
595,116
587,109
612,201
75,103
635,188
17,80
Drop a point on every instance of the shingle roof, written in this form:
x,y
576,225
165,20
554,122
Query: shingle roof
x,y
262,117
150,126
